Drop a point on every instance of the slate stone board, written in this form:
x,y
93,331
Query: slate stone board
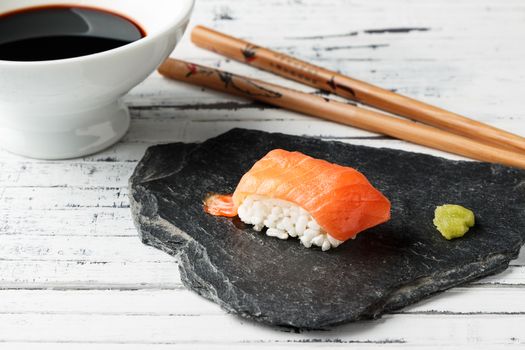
x,y
283,283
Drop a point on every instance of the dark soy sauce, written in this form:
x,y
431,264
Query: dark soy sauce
x,y
56,32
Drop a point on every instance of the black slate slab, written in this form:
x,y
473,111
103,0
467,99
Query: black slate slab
x,y
283,283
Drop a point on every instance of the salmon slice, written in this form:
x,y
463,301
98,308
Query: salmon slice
x,y
340,199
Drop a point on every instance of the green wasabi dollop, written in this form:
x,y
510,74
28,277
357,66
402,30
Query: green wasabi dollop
x,y
453,221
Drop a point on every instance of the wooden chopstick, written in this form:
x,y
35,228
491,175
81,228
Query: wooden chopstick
x,y
347,87
337,111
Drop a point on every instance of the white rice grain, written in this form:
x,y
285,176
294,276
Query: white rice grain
x,y
284,219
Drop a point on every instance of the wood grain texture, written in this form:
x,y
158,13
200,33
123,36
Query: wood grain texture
x,y
73,273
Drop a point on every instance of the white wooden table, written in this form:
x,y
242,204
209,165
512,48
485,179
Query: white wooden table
x,y
73,273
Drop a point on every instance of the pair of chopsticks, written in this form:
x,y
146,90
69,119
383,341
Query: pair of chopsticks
x,y
442,130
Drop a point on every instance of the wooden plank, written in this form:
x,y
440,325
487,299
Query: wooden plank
x,y
454,330
107,302
112,222
62,198
120,152
81,249
71,173
31,274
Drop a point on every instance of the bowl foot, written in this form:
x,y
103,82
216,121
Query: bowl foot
x,y
66,136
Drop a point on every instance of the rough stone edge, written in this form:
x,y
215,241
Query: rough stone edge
x,y
426,287
184,244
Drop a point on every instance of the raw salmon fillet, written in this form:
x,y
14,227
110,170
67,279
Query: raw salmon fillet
x,y
340,198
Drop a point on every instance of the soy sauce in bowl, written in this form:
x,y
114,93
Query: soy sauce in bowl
x,y
57,32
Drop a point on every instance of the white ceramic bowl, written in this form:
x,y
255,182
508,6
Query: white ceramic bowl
x,y
71,107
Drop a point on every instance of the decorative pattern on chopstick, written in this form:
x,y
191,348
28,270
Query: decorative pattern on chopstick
x,y
344,113
354,89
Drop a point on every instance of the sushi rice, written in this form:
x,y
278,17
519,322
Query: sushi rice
x,y
284,219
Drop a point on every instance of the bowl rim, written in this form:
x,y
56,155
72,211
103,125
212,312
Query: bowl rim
x,y
185,12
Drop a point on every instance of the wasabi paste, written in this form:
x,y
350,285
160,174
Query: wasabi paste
x,y
452,220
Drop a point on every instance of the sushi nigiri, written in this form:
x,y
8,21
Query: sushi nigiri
x,y
292,194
